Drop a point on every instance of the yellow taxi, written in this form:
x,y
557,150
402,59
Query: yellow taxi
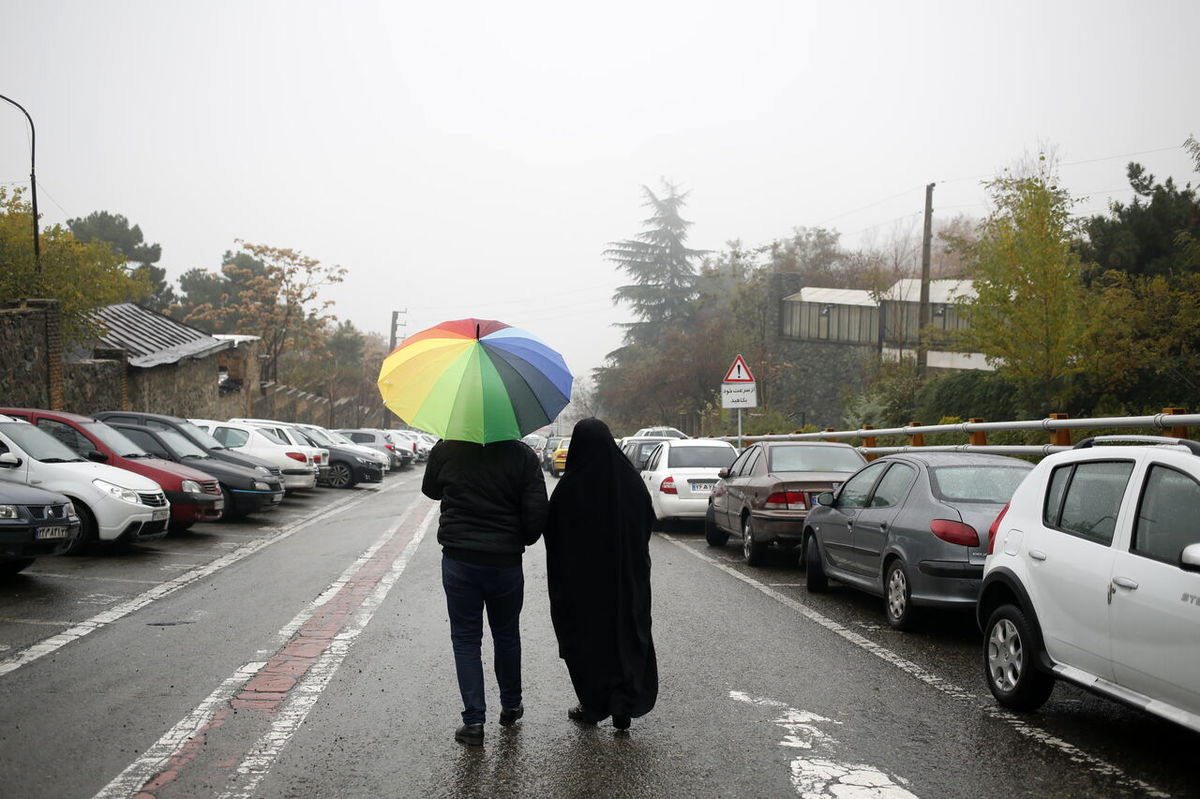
x,y
559,461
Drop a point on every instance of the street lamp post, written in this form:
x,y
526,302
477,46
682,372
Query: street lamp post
x,y
37,250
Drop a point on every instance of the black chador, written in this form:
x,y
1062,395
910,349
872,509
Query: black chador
x,y
598,564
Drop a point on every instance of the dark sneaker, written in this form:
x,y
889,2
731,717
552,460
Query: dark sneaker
x,y
469,734
620,722
578,713
509,717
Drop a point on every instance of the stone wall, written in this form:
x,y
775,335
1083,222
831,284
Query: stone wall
x,y
819,377
31,373
187,388
93,385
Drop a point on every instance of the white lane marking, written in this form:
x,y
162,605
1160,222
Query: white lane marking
x,y
310,687
1096,765
23,657
159,755
819,777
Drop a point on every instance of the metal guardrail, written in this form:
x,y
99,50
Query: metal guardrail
x,y
1057,426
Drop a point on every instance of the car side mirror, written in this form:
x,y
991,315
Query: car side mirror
x,y
9,460
825,498
1189,559
96,456
723,473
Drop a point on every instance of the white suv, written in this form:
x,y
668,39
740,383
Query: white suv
x,y
1093,576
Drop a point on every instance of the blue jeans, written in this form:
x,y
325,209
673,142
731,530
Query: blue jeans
x,y
469,589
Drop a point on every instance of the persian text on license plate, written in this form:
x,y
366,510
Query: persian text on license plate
x,y
702,487
51,532
159,515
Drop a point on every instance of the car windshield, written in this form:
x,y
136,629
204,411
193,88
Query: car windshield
x,y
205,439
115,440
318,435
976,483
814,459
339,438
702,457
180,445
39,445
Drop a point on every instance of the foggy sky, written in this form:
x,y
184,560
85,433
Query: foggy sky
x,y
474,158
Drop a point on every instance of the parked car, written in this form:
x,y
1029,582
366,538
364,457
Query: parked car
x,y
681,472
348,466
243,490
665,432
325,437
401,456
420,445
549,450
638,448
907,528
385,458
288,433
33,524
201,438
112,504
558,461
765,495
295,464
1093,576
194,494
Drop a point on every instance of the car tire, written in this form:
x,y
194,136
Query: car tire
x,y
14,565
340,475
88,531
230,512
715,536
897,595
753,552
816,581
1010,661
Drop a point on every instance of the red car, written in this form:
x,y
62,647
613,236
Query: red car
x,y
194,495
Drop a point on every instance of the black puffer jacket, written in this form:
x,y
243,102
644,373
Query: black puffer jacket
x,y
493,498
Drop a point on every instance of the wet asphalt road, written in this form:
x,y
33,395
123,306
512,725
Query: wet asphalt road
x,y
305,653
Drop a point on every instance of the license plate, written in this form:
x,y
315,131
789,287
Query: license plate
x,y
276,498
51,532
703,487
219,504
159,515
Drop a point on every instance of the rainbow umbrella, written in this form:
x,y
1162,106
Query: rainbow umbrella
x,y
475,380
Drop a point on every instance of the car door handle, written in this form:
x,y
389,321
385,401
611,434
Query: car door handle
x,y
1125,582
1037,554
850,523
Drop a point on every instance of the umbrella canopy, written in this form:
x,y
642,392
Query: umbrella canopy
x,y
475,380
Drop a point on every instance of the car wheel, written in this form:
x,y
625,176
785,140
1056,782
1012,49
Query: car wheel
x,y
230,512
897,596
340,475
14,565
715,536
1010,654
753,552
88,531
816,581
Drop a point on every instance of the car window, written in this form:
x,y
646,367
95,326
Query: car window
x,y
271,436
38,444
147,442
854,492
757,463
976,483
1167,517
652,460
815,459
64,433
120,419
700,457
735,469
1087,497
894,485
230,436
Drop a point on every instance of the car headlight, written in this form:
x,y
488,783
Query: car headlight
x,y
261,486
366,461
262,469
69,509
190,487
120,492
9,512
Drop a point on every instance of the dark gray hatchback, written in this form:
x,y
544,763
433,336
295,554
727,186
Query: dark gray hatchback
x,y
911,528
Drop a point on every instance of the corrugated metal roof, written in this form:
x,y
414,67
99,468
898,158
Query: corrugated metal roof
x,y
945,291
150,338
833,296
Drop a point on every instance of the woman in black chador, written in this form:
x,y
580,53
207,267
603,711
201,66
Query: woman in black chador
x,y
598,564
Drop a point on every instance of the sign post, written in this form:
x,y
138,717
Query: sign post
x,y
738,390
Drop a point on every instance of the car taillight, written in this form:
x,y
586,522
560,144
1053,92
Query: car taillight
x,y
316,458
955,532
786,500
668,486
391,447
995,528
297,456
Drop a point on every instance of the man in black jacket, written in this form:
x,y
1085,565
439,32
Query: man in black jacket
x,y
493,506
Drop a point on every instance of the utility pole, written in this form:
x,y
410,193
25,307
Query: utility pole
x,y
396,325
923,317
